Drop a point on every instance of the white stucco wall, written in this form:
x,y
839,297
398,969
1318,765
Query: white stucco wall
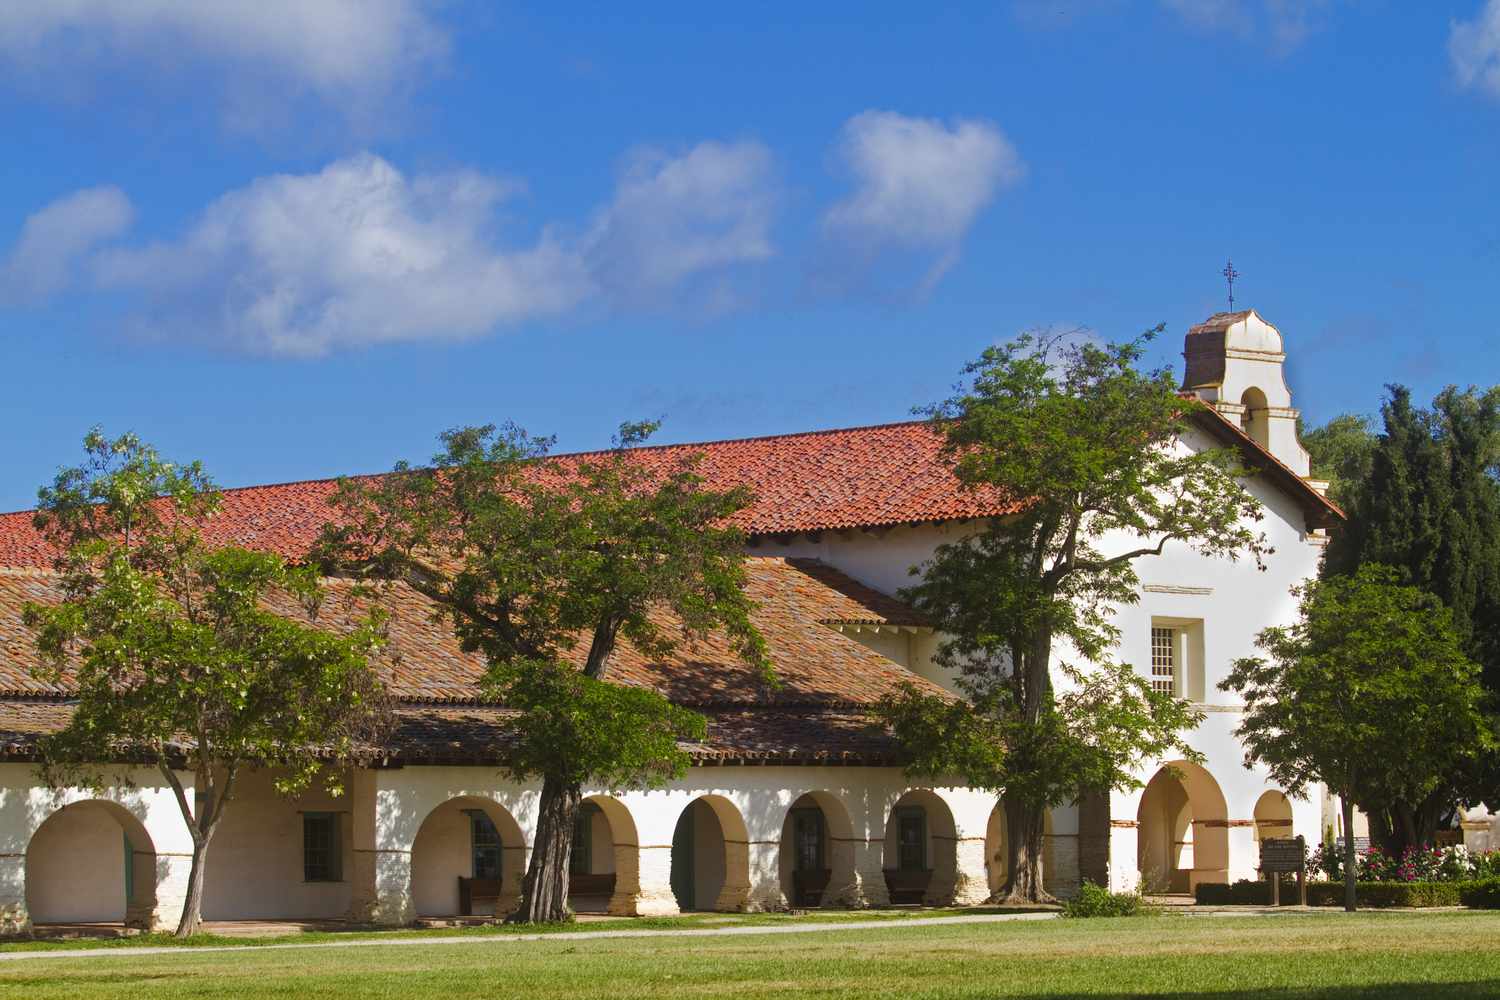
x,y
142,804
1224,603
255,866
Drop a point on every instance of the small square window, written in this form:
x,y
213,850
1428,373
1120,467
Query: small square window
x,y
320,847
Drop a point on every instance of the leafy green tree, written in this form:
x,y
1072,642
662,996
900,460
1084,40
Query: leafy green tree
x,y
533,560
1342,450
197,657
1430,507
1090,447
1369,692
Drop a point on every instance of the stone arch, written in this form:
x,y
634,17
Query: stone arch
x,y
711,856
91,861
920,855
816,855
1255,421
604,870
1273,816
450,849
1183,830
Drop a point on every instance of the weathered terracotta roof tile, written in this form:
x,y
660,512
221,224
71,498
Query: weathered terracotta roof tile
x,y
817,481
795,598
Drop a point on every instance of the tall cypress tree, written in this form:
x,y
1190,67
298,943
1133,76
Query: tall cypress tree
x,y
1430,507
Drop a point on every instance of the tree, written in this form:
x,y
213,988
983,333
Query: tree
x,y
1341,451
1090,450
196,657
1368,692
533,560
1430,507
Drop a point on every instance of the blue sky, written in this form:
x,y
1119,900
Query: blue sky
x,y
299,240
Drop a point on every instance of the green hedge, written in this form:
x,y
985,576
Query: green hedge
x,y
1482,895
1246,892
1381,894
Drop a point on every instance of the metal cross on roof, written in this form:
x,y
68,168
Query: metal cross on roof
x,y
1230,274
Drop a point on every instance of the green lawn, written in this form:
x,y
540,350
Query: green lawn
x,y
1406,955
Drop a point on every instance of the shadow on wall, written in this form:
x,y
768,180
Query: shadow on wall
x,y
83,859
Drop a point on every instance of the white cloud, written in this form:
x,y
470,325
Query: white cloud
x,y
919,184
674,218
1474,47
360,253
353,54
356,254
56,237
1287,23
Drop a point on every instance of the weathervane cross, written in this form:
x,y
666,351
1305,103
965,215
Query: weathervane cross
x,y
1229,275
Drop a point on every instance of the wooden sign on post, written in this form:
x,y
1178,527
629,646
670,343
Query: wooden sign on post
x,y
1284,854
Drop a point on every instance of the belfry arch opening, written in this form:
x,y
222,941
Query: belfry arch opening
x,y
1255,421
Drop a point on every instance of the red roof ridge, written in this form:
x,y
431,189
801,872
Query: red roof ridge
x,y
752,438
748,439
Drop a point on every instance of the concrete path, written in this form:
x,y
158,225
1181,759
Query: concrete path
x,y
357,941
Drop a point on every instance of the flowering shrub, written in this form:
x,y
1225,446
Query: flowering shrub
x,y
1416,864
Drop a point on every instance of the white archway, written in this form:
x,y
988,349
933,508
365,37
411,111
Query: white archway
x,y
816,856
468,859
1273,816
91,862
710,856
920,856
604,869
1183,830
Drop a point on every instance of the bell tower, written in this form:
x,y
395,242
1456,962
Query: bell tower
x,y
1234,364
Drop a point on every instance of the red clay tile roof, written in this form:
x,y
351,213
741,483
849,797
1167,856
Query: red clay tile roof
x,y
860,477
470,734
819,715
795,598
818,481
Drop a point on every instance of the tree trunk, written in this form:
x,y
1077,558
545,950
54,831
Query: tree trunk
x,y
1349,862
1024,828
192,906
544,893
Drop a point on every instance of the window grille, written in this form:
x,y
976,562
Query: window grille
x,y
911,840
1164,660
808,837
485,841
320,847
581,860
